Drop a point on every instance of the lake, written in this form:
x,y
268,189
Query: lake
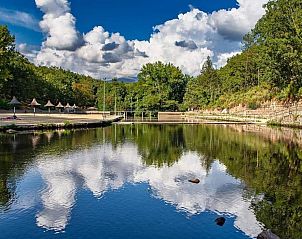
x,y
131,181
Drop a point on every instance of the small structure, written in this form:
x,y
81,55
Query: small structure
x,y
74,107
59,106
49,105
14,102
34,104
67,107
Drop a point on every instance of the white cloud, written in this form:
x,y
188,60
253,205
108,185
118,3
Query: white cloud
x,y
30,51
185,41
223,58
59,25
233,24
18,18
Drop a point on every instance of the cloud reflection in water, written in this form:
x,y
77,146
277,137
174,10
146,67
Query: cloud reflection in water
x,y
103,168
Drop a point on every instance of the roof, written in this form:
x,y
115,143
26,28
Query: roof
x,y
34,102
49,104
14,101
60,105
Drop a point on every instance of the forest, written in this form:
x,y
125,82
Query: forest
x,y
269,68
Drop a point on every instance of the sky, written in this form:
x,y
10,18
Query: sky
x,y
107,39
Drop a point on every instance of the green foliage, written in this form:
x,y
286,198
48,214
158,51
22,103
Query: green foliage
x,y
269,67
6,51
271,59
20,78
160,87
253,105
4,104
279,32
67,123
270,168
204,89
115,96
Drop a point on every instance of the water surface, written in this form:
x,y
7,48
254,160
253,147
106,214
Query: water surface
x,y
131,181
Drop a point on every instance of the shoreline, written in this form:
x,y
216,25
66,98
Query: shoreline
x,y
30,122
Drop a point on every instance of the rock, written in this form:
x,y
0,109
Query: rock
x,y
220,221
267,234
225,111
195,180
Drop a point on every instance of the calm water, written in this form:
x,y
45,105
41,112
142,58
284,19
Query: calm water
x,y
131,181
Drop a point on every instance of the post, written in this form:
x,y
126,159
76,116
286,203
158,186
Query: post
x,y
14,111
131,104
115,103
104,99
142,116
258,76
34,111
150,116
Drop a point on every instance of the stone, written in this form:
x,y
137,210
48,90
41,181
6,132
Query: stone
x,y
220,221
267,234
195,180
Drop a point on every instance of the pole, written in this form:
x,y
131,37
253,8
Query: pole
x,y
131,105
14,111
136,107
115,103
258,76
104,107
34,111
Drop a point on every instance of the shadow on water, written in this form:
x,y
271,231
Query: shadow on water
x,y
268,165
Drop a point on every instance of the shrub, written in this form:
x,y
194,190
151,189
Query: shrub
x,y
4,104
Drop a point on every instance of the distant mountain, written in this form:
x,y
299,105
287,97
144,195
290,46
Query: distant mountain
x,y
127,79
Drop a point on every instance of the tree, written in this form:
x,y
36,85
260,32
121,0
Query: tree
x,y
115,95
205,88
6,50
279,31
160,87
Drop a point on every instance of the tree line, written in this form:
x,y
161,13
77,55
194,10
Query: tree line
x,y
269,67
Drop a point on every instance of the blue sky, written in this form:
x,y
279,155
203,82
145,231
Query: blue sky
x,y
134,19
108,38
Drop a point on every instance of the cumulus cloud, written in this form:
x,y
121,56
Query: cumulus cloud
x,y
185,41
18,18
30,51
110,46
222,59
59,25
191,45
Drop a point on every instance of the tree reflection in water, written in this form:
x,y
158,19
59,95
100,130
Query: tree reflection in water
x,y
266,172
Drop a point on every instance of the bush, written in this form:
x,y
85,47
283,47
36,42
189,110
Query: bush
x,y
253,105
67,123
4,105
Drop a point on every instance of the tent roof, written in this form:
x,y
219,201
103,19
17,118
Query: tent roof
x,y
34,102
60,105
49,104
67,105
14,101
